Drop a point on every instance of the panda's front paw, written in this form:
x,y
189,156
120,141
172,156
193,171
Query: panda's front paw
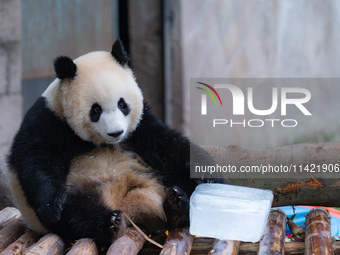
x,y
113,226
178,200
50,212
176,207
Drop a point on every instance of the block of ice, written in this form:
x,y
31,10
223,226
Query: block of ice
x,y
229,212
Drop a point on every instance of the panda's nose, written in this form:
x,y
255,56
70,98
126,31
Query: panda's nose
x,y
116,134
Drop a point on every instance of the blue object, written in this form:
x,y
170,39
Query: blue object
x,y
300,218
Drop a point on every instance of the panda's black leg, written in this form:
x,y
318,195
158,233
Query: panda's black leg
x,y
84,216
46,195
176,207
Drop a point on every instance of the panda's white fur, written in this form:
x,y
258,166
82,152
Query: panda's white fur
x,y
20,202
100,79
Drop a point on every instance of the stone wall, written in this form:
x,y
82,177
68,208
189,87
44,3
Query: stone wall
x,y
145,35
265,39
10,72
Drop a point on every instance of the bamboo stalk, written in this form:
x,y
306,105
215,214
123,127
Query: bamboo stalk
x,y
11,232
50,244
84,246
318,233
178,242
225,247
20,245
130,243
273,239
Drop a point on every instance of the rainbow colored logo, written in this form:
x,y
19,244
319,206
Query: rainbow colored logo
x,y
209,93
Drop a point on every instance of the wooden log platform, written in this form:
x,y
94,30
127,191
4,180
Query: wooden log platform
x,y
273,239
16,238
318,232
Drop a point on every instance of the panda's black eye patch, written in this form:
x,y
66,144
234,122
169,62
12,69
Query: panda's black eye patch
x,y
96,111
122,105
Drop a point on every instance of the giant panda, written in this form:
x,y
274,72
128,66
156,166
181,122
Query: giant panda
x,y
90,148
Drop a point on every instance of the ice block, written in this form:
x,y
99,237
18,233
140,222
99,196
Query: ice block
x,y
229,212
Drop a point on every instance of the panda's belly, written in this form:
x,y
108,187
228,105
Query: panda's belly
x,y
121,181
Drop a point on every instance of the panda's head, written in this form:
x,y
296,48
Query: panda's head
x,y
97,95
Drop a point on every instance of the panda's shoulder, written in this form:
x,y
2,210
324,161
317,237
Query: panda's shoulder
x,y
43,131
40,122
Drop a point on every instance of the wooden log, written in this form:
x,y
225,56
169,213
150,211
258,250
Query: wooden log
x,y
251,248
225,247
179,242
294,248
291,248
84,246
11,232
7,215
295,187
130,243
202,246
290,154
22,244
318,232
273,239
336,247
49,244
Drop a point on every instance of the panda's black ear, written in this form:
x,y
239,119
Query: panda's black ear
x,y
65,67
119,53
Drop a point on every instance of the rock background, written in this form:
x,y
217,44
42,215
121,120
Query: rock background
x,y
265,39
215,38
10,72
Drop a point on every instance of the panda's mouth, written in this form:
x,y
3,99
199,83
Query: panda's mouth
x,y
116,134
115,137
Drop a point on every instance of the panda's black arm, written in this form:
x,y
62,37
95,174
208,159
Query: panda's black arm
x,y
164,149
44,193
40,157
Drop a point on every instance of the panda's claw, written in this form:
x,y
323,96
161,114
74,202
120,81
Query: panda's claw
x,y
115,220
50,213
